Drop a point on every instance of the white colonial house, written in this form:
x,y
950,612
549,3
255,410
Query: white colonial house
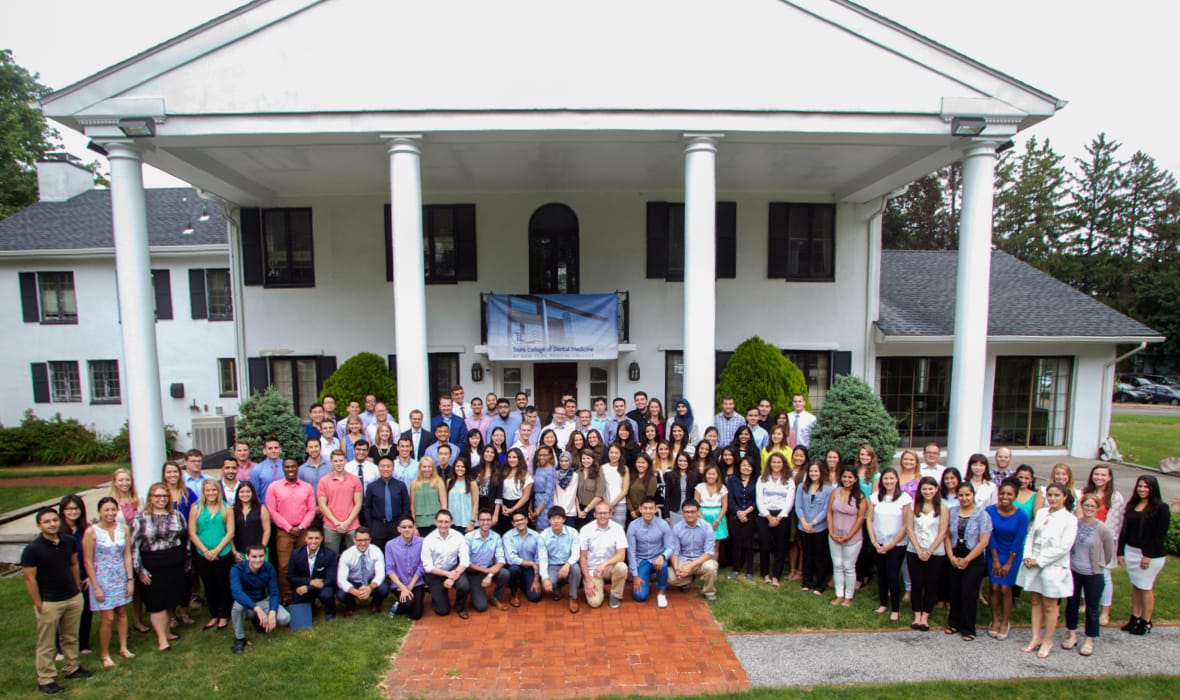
x,y
417,178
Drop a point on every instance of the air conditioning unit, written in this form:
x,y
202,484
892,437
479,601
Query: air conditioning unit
x,y
212,433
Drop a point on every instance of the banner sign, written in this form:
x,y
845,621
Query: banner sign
x,y
553,327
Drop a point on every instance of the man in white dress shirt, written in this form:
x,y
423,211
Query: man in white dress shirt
x,y
801,421
604,555
445,556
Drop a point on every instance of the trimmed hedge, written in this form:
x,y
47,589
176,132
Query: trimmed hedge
x,y
853,415
758,370
265,416
363,373
66,441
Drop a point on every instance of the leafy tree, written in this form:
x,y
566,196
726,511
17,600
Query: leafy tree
x,y
363,373
265,416
1095,200
853,415
1144,197
24,135
926,215
758,370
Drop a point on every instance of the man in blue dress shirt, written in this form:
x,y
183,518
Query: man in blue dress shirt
x,y
558,556
692,552
649,547
520,551
486,569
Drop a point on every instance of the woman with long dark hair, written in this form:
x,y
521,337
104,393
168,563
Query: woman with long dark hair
x,y
744,446
811,505
515,490
651,439
487,480
591,485
474,451
594,442
646,482
743,515
74,523
702,455
774,495
1045,573
888,539
678,439
969,529
1142,549
655,416
679,485
926,527
625,439
979,474
846,515
462,494
832,463
544,487
617,477
107,558
251,520
1004,550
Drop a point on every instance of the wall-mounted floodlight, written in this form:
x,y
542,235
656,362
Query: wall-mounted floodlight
x,y
138,128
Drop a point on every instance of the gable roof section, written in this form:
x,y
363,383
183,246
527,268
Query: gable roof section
x,y
348,56
84,222
918,300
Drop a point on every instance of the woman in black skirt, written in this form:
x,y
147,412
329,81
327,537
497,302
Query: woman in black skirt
x,y
159,551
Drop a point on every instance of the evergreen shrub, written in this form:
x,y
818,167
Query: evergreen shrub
x,y
759,370
267,415
853,415
363,373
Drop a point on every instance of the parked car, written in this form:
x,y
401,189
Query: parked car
x,y
1163,380
1125,393
1158,393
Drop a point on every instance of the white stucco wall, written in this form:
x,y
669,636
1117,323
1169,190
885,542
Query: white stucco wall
x,y
350,283
188,349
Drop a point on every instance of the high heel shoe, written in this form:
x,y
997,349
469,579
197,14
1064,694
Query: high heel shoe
x,y
1131,624
1143,627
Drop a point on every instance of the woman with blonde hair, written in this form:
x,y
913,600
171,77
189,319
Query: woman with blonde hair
x,y
126,497
211,529
428,495
159,551
1111,505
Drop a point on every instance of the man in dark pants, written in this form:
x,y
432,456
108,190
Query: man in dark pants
x,y
52,578
445,556
386,501
311,572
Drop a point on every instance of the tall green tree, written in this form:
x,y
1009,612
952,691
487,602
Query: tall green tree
x,y
1094,204
926,215
24,135
1144,190
1030,203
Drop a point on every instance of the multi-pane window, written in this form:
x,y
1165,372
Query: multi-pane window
x,y
65,385
221,302
665,240
444,373
58,304
295,379
104,381
599,381
1030,402
512,382
917,393
817,370
288,258
227,376
801,242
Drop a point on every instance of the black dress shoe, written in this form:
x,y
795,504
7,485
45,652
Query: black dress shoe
x,y
50,688
80,674
239,646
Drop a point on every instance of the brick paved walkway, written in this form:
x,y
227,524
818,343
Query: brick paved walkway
x,y
541,650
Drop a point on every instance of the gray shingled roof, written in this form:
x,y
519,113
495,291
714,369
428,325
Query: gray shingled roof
x,y
85,222
918,299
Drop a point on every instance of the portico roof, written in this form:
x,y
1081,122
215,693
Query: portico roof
x,y
285,99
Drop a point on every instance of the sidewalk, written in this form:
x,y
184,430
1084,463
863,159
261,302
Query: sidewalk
x,y
892,657
541,650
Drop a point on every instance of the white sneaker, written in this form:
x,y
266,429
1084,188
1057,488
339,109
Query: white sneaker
x,y
661,600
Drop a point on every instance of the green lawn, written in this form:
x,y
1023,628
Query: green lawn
x,y
20,472
756,607
13,497
340,659
1145,440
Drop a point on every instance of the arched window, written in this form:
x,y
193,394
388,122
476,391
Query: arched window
x,y
553,250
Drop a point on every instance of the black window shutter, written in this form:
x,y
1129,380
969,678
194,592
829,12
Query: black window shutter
x,y
325,365
776,241
657,240
196,294
726,233
392,362
465,258
162,286
40,382
252,272
259,374
841,363
28,297
388,243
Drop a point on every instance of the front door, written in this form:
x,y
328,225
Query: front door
x,y
552,380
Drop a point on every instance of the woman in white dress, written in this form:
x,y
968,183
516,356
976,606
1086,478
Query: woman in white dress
x,y
1046,574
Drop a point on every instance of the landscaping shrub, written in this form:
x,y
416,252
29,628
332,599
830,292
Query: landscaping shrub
x,y
1173,539
363,373
758,370
853,415
121,442
265,416
66,441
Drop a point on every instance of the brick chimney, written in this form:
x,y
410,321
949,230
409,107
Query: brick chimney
x,y
60,177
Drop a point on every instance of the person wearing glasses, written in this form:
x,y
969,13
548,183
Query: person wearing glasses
x,y
160,554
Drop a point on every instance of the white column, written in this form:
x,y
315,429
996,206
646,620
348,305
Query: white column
x,y
409,285
141,364
700,273
969,361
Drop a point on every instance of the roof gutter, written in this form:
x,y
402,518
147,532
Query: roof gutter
x,y
884,339
180,250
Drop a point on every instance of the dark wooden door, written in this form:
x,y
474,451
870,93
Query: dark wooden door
x,y
552,379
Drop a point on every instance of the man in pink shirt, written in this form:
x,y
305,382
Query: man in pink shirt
x,y
292,506
339,495
242,456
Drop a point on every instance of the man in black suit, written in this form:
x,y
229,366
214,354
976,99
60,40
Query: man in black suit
x,y
419,436
311,572
386,501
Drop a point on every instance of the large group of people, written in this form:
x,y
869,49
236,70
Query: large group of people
x,y
488,508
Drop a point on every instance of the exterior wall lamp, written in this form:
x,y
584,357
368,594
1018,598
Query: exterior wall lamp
x,y
138,128
967,126
633,372
476,372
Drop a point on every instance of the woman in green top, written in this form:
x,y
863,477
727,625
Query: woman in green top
x,y
428,495
211,529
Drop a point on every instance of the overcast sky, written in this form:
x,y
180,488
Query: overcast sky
x,y
1104,58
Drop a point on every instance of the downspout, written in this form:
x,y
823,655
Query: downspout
x,y
1108,391
233,235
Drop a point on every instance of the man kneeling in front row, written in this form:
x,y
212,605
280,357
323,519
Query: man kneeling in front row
x,y
254,584
692,552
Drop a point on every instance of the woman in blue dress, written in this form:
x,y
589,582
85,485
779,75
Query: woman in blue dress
x,y
1009,527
